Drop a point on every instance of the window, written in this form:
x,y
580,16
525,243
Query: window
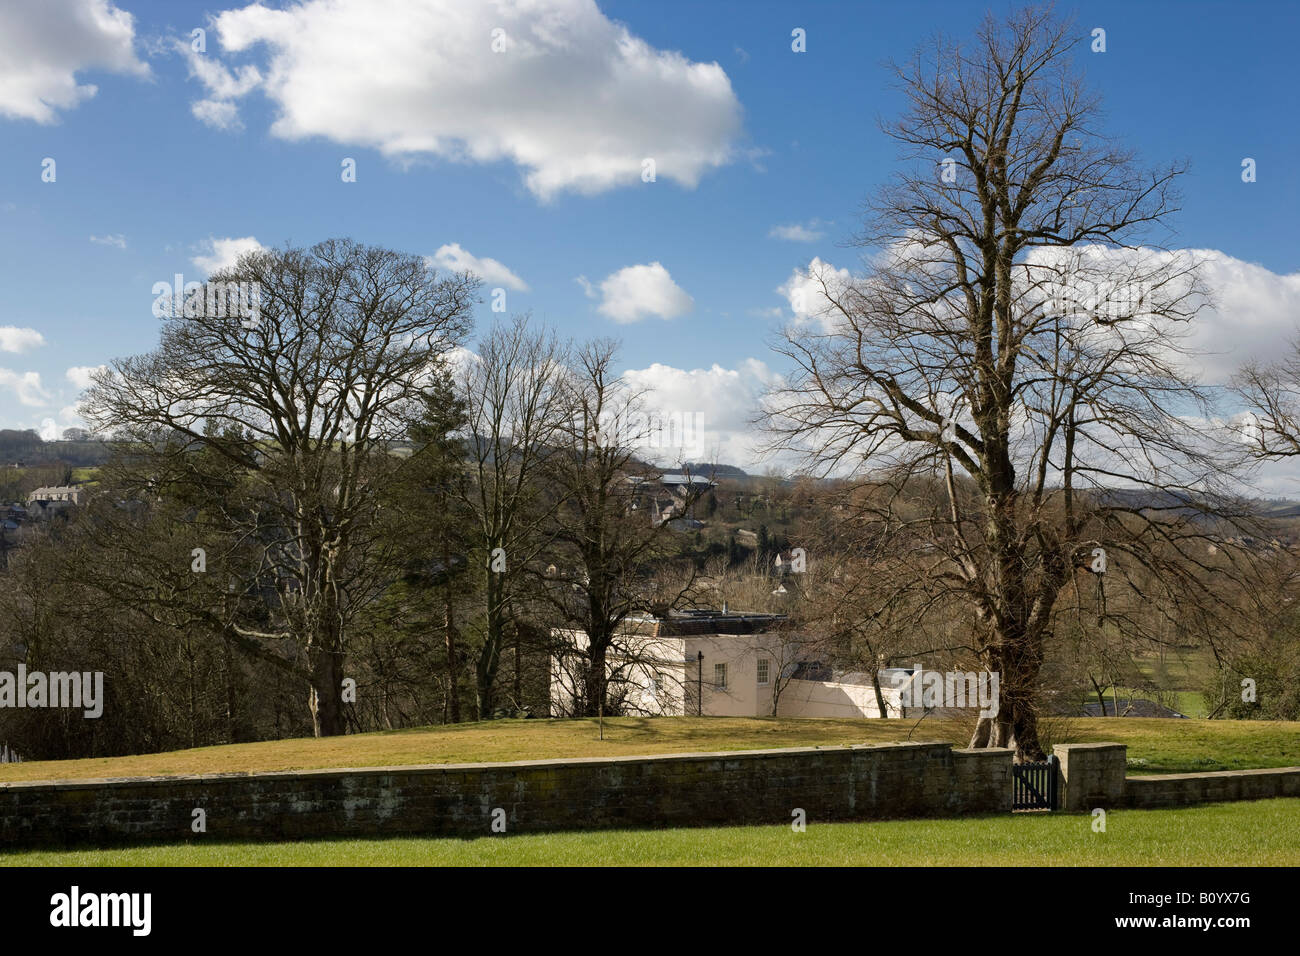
x,y
720,676
657,685
764,672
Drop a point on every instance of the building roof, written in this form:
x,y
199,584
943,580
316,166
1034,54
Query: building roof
x,y
1130,707
715,622
676,478
52,490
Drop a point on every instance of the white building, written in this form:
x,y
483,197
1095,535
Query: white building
x,y
717,664
69,494
48,501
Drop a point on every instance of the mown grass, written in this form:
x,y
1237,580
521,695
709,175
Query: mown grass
x,y
1155,746
1263,833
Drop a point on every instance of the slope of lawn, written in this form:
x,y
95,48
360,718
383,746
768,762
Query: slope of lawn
x,y
1263,833
1155,746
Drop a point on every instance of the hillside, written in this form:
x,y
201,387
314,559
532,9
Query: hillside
x,y
1155,746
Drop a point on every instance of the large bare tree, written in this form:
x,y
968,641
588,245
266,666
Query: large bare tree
x,y
1012,362
514,415
612,557
291,409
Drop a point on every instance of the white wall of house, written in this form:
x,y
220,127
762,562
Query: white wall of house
x,y
664,678
809,698
732,682
651,668
665,675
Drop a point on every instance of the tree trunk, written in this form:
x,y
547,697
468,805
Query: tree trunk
x,y
1015,727
449,626
1101,696
596,679
326,698
489,657
228,665
484,697
1016,724
519,667
485,674
880,697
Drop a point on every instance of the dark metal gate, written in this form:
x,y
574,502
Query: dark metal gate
x,y
1033,785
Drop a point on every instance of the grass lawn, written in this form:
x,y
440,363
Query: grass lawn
x,y
1262,833
1155,746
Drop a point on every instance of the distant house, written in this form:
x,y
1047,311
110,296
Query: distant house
x,y
49,500
716,663
670,498
790,562
70,493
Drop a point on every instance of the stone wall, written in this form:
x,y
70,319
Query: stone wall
x,y
459,800
1091,775
1180,789
1094,775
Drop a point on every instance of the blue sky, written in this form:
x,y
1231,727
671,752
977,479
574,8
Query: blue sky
x,y
161,165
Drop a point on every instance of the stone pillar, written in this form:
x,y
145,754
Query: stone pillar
x,y
1092,775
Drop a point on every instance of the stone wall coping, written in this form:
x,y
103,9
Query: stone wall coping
x,y
1214,774
1096,746
983,751
327,773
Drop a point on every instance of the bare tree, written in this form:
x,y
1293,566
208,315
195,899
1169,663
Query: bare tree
x,y
514,412
607,547
1013,360
290,410
1270,392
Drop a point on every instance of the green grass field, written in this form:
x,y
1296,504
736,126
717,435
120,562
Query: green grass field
x,y
1155,746
1181,673
1263,833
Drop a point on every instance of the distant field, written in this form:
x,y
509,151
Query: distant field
x,y
1263,833
1155,746
1183,672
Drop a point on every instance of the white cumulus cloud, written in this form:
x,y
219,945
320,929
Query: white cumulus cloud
x,y
44,44
15,339
573,99
807,291
455,259
220,254
224,84
79,375
26,385
637,292
1255,314
711,409
810,231
218,114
